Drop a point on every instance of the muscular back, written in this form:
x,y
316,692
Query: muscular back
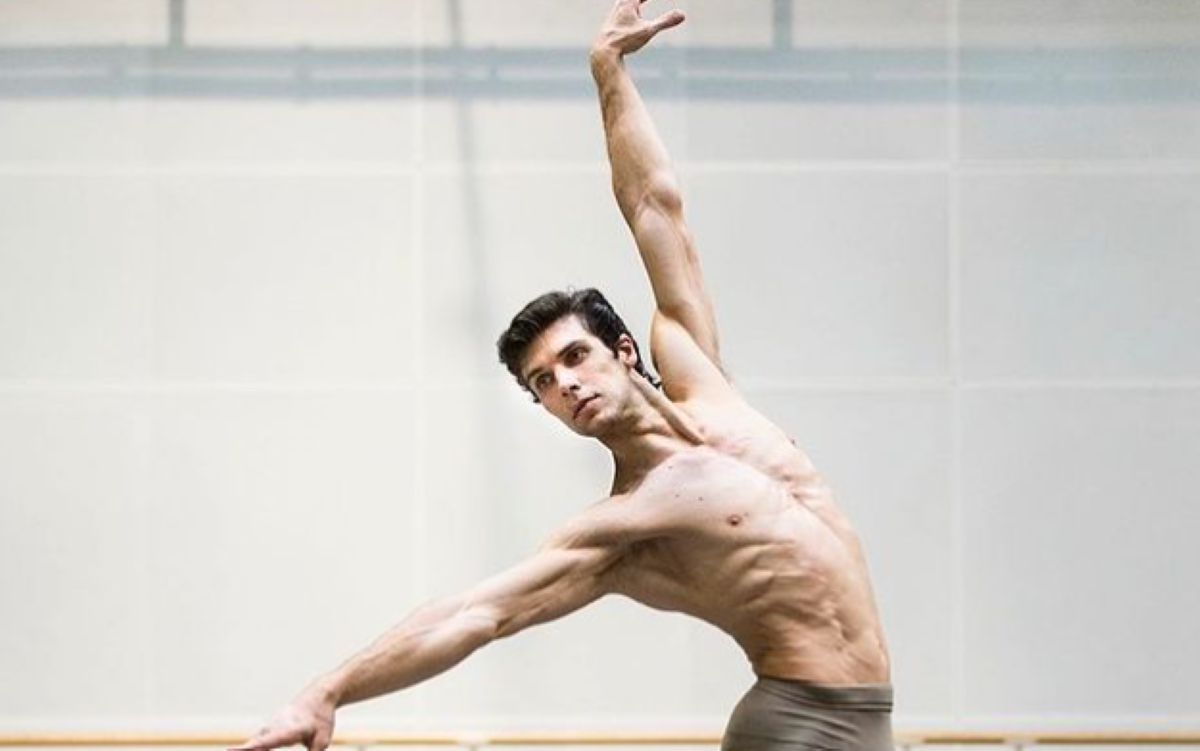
x,y
756,546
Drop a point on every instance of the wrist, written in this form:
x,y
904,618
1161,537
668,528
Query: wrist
x,y
327,689
603,58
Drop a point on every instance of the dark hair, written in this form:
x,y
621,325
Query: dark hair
x,y
594,312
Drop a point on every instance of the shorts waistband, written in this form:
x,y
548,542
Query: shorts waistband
x,y
863,696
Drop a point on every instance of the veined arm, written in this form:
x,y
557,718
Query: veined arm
x,y
684,342
433,639
569,572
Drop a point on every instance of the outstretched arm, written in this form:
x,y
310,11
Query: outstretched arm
x,y
568,573
684,341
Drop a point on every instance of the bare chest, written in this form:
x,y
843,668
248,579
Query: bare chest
x,y
737,531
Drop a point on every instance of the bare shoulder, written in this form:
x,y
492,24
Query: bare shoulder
x,y
622,520
740,455
738,431
607,523
731,425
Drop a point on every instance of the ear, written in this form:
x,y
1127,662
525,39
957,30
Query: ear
x,y
626,351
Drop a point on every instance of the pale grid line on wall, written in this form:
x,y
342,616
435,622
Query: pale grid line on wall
x,y
747,385
421,167
954,331
420,553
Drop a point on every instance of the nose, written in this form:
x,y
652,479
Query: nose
x,y
567,380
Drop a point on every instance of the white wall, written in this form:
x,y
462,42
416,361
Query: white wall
x,y
249,410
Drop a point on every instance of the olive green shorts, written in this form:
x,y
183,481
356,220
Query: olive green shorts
x,y
785,715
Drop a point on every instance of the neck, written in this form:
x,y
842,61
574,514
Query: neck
x,y
654,428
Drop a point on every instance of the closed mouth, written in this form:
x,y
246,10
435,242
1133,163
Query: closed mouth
x,y
579,407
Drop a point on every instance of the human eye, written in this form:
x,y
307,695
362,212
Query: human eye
x,y
541,381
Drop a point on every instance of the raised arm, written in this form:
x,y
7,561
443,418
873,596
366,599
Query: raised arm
x,y
569,572
684,342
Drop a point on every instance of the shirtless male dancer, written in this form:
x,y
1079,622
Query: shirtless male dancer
x,y
714,512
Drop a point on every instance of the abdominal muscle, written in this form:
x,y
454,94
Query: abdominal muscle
x,y
789,586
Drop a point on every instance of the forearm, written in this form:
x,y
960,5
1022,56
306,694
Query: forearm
x,y
430,641
641,167
564,576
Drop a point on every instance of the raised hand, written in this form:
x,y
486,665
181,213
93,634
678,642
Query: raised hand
x,y
626,32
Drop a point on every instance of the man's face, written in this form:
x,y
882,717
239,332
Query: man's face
x,y
577,378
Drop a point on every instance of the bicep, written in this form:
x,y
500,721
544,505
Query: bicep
x,y
576,566
669,255
687,369
553,583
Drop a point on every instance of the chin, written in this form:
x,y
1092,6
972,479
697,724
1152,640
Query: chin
x,y
588,430
591,428
601,428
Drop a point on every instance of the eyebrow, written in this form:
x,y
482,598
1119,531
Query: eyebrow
x,y
564,350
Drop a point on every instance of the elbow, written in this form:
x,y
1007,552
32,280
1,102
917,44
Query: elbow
x,y
657,194
484,624
492,623
661,194
663,189
510,625
477,627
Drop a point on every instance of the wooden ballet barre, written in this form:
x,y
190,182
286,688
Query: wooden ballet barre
x,y
475,740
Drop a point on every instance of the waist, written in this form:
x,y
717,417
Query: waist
x,y
871,697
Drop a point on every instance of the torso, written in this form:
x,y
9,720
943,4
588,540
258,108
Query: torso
x,y
760,550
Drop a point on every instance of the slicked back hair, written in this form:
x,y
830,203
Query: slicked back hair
x,y
594,312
